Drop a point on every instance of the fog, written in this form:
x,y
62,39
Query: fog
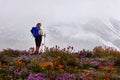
x,y
79,23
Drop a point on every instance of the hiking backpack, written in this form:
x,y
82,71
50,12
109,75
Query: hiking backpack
x,y
35,31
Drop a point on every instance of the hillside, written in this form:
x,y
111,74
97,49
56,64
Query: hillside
x,y
60,64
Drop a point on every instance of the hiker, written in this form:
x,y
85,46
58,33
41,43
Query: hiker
x,y
37,33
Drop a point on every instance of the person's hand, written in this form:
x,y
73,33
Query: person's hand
x,y
44,35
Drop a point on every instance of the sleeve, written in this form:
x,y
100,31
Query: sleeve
x,y
41,32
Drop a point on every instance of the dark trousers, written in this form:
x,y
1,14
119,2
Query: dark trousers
x,y
38,41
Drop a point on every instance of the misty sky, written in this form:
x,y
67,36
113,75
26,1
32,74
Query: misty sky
x,y
18,16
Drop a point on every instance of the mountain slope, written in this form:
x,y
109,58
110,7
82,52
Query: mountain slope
x,y
103,32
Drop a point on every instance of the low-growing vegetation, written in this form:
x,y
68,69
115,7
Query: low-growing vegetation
x,y
60,64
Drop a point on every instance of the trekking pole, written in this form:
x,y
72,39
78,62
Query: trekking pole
x,y
43,44
44,41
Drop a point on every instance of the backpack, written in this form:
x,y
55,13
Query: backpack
x,y
35,31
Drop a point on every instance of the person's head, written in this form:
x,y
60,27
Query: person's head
x,y
38,24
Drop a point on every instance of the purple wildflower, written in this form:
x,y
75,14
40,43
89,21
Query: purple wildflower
x,y
24,57
37,76
17,72
24,70
95,63
65,77
21,71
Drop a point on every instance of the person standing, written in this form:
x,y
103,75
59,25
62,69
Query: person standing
x,y
37,32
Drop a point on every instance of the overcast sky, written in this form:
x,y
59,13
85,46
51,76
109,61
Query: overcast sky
x,y
59,10
22,14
